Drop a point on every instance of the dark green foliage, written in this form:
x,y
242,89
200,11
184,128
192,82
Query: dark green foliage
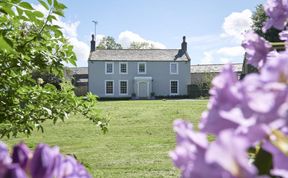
x,y
47,78
109,43
263,162
194,91
204,90
30,42
141,45
259,17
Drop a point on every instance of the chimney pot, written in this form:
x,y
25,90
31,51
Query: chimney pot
x,y
184,44
93,44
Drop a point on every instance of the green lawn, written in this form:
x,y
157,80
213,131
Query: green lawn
x,y
137,144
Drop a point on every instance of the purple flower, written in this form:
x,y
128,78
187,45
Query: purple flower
x,y
253,105
226,157
189,154
276,68
277,11
68,167
223,103
280,160
256,48
230,152
284,35
21,154
4,155
14,171
266,101
184,133
223,97
43,163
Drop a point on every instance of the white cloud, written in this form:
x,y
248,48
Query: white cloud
x,y
231,51
127,37
220,56
99,38
224,47
237,23
69,30
208,58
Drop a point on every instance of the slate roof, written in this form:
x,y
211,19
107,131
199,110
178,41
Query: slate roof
x,y
213,68
78,70
138,55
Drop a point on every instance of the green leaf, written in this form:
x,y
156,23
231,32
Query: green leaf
x,y
44,4
38,14
20,11
263,162
58,33
50,2
8,10
26,5
59,12
4,44
30,15
60,6
2,11
16,1
51,18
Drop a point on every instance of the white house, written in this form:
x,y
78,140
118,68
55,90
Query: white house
x,y
141,73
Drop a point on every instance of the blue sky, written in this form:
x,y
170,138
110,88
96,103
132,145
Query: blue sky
x,y
213,28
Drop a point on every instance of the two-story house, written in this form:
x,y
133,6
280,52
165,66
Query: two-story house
x,y
139,72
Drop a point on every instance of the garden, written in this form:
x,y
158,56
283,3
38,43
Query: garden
x,y
137,144
242,132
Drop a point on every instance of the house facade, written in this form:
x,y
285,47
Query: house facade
x,y
139,73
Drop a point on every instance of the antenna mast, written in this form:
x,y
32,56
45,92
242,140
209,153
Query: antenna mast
x,y
95,24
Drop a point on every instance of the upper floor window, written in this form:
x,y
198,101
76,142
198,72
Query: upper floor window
x,y
109,68
141,68
123,67
173,68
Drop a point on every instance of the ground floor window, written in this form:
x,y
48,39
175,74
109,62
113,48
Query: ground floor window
x,y
109,87
123,87
174,87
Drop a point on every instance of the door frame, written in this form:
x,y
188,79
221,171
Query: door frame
x,y
147,88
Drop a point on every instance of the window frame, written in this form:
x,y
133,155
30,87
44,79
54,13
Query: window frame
x,y
109,94
126,87
126,63
171,87
177,69
138,64
106,63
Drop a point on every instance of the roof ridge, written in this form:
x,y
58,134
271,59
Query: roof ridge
x,y
132,49
214,64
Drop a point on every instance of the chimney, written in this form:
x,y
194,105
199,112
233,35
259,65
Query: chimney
x,y
93,45
184,45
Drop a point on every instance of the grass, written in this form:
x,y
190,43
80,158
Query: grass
x,y
138,142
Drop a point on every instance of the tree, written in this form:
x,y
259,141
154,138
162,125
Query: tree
x,y
258,18
109,43
29,41
141,45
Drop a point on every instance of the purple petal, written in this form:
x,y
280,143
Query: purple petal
x,y
14,171
230,152
43,164
257,49
21,154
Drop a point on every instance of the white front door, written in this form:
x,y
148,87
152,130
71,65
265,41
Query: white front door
x,y
143,89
